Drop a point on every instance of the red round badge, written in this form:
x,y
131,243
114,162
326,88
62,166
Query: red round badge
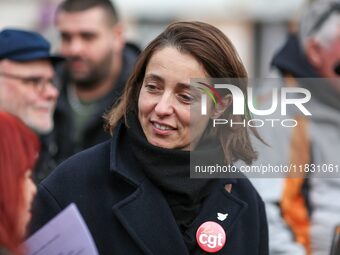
x,y
211,237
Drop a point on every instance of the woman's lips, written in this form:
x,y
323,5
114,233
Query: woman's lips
x,y
161,128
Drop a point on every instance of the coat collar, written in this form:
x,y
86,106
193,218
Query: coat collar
x,y
146,215
121,161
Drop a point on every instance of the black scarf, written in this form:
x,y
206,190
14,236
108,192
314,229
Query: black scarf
x,y
169,170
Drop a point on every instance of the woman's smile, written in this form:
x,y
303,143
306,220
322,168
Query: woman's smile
x,y
162,128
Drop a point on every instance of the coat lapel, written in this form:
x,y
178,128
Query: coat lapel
x,y
148,219
145,213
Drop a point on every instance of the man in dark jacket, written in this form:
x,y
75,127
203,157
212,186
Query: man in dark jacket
x,y
98,65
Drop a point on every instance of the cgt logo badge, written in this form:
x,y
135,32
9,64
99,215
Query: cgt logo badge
x,y
211,237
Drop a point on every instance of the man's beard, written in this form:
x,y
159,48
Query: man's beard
x,y
96,74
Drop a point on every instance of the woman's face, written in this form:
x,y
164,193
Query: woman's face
x,y
167,105
29,190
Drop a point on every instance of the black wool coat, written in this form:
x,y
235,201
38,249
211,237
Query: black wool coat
x,y
127,214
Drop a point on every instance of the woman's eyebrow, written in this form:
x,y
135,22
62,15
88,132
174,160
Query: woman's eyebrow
x,y
184,86
154,77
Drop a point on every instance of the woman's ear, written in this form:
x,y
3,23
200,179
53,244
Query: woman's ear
x,y
220,109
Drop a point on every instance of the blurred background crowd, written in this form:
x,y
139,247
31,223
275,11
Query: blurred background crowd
x,y
301,220
257,28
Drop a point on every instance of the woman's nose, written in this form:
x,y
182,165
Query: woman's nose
x,y
165,106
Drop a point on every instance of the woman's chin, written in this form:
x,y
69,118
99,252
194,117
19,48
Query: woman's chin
x,y
161,143
168,144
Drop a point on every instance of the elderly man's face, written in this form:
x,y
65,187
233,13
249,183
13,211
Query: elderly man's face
x,y
329,57
324,58
27,91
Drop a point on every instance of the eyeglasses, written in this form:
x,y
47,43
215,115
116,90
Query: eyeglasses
x,y
36,82
335,7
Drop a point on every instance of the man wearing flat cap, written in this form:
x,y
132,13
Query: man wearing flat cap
x,y
27,88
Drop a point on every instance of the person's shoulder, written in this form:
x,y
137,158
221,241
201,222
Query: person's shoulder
x,y
245,182
90,157
247,191
81,165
